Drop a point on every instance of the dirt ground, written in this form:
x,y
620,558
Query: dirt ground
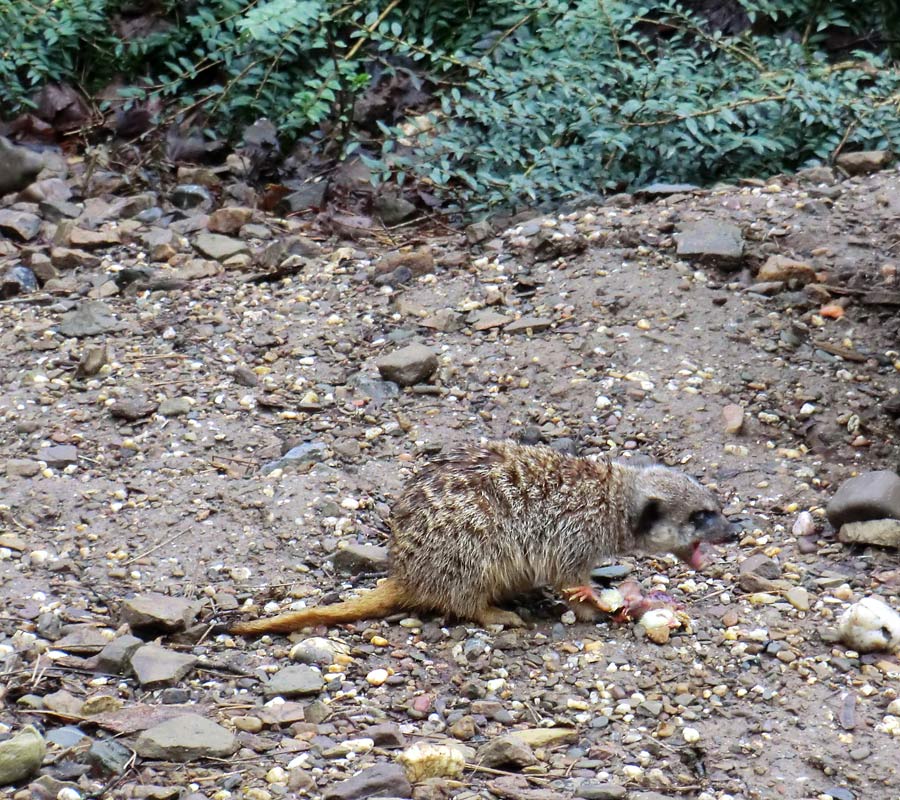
x,y
641,353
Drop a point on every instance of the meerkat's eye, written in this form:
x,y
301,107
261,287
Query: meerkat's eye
x,y
703,519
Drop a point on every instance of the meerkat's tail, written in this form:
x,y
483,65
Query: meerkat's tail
x,y
385,599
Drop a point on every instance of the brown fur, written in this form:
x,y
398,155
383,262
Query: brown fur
x,y
482,524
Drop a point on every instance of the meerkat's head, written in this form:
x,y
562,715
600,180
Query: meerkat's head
x,y
672,513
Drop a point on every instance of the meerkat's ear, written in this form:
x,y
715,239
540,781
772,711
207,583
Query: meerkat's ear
x,y
649,513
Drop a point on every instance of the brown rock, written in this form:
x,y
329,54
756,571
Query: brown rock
x,y
881,532
418,262
779,268
864,161
733,415
229,220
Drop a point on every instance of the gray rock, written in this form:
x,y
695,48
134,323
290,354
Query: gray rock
x,y
309,195
17,280
191,197
379,391
21,756
59,456
872,495
109,757
132,409
593,790
22,468
881,532
392,210
279,250
408,365
72,258
155,667
159,612
479,232
382,780
174,407
507,752
385,734
115,658
758,572
295,681
666,189
89,318
19,224
66,736
219,247
19,166
711,241
56,210
361,558
186,738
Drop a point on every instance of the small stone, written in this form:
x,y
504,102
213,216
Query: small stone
x,y
110,757
382,780
22,468
408,365
17,280
19,166
249,724
85,239
798,597
294,681
186,738
386,734
871,495
155,667
592,790
506,752
115,658
309,195
245,377
21,756
733,415
191,197
880,532
711,241
69,258
779,268
463,728
358,559
392,210
419,262
174,407
59,456
132,409
758,572
157,612
229,220
528,324
377,677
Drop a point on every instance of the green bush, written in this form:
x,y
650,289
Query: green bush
x,y
531,101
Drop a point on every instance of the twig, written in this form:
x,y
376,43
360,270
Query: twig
x,y
156,547
491,771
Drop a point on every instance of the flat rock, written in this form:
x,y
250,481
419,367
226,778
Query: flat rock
x,y
219,247
229,220
711,241
294,681
132,409
881,532
419,262
159,612
155,667
779,268
357,559
191,197
594,790
89,318
392,210
864,161
665,189
872,495
69,258
186,738
528,324
382,780
485,319
758,572
174,407
21,756
82,238
59,456
19,224
408,365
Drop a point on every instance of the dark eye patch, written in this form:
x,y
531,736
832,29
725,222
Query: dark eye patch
x,y
651,513
703,519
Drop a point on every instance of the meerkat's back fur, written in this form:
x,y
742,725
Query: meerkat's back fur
x,y
486,522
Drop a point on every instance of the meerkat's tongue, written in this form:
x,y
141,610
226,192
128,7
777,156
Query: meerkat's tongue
x,y
695,560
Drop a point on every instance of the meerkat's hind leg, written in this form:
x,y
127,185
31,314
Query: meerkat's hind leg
x,y
492,615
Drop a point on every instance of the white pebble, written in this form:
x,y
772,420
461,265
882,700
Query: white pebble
x,y
691,735
377,677
276,775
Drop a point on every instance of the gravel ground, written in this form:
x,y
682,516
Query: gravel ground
x,y
217,434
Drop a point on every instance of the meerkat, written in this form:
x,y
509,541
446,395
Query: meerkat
x,y
484,523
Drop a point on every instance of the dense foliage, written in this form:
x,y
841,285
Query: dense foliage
x,y
518,101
